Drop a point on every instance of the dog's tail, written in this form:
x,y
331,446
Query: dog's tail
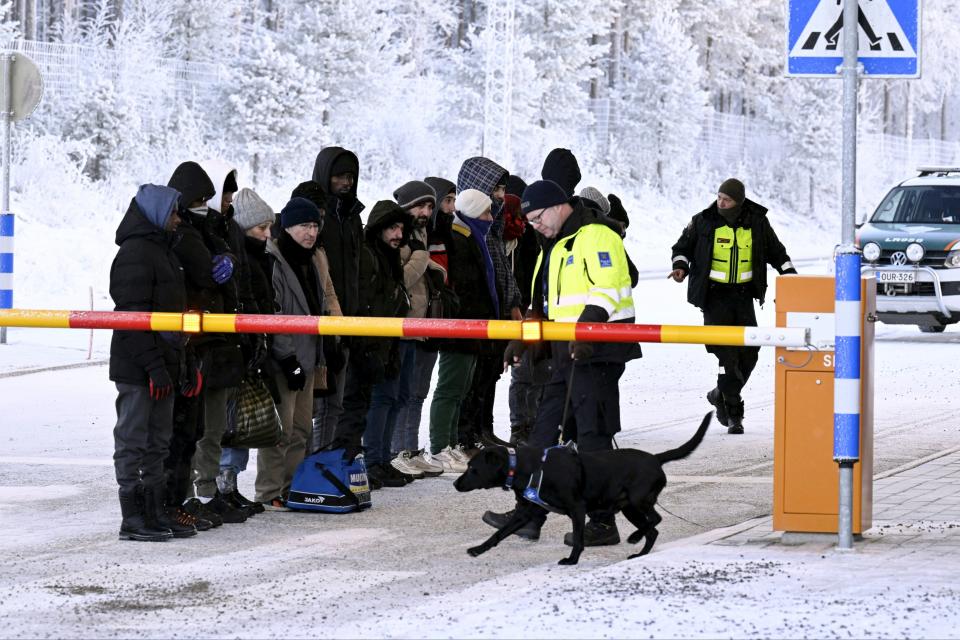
x,y
689,446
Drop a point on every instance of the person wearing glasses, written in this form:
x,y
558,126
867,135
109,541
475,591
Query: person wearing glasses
x,y
582,275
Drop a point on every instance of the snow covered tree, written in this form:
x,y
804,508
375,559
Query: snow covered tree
x,y
271,100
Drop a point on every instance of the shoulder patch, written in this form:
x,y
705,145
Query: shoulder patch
x,y
604,257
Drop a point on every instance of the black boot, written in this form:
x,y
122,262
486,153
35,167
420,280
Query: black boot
x,y
490,439
529,531
715,398
596,533
229,513
519,433
735,411
227,485
134,524
156,510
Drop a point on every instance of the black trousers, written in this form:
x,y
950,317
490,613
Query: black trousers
x,y
476,408
733,306
187,431
594,405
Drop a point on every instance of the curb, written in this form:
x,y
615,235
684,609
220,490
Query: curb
x,y
62,367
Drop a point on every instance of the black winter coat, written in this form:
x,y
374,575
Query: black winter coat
x,y
382,293
342,233
468,279
693,251
145,276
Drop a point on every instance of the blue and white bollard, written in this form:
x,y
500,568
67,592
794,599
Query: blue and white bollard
x,y
846,385
6,267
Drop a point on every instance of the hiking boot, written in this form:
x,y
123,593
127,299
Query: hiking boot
x,y
378,473
227,486
181,517
198,510
715,398
155,510
238,501
491,440
448,461
596,534
417,460
229,513
276,504
529,531
134,525
392,472
403,464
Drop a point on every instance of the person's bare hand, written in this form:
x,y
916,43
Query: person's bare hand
x,y
677,274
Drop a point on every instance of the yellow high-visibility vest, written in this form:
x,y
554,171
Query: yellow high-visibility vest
x,y
732,261
588,267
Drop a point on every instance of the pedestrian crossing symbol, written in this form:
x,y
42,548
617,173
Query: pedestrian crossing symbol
x,y
889,41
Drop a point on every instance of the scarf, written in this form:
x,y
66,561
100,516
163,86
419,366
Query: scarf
x,y
301,263
478,231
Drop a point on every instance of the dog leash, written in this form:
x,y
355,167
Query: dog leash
x,y
566,402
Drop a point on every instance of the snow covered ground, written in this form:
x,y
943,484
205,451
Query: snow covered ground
x,y
401,568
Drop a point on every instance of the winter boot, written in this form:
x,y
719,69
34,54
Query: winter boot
x,y
519,433
198,510
134,524
596,534
156,510
229,513
529,531
390,471
735,411
227,485
490,439
715,398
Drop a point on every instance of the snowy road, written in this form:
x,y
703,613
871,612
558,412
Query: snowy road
x,y
401,568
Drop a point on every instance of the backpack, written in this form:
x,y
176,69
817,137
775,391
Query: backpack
x,y
326,481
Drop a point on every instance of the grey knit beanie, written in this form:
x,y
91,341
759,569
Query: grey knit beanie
x,y
414,192
249,209
593,195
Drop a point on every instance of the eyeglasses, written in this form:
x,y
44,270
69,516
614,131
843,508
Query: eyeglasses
x,y
536,219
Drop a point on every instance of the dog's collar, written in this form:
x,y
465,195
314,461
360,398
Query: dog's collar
x,y
511,468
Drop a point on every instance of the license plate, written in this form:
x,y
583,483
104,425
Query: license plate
x,y
898,277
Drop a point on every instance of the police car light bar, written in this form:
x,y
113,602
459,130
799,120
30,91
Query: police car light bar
x,y
930,170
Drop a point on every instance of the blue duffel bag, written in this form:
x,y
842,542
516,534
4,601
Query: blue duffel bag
x,y
327,481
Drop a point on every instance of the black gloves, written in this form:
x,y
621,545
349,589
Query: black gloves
x,y
333,354
514,351
193,376
293,372
161,386
581,350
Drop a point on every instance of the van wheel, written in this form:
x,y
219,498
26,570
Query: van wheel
x,y
932,328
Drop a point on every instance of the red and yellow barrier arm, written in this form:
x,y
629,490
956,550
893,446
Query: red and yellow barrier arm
x,y
529,330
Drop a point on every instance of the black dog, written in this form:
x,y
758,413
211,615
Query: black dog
x,y
574,483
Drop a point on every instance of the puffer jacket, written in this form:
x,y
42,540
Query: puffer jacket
x,y
145,276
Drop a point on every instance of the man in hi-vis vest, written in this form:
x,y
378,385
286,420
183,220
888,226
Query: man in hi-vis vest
x,y
726,249
582,275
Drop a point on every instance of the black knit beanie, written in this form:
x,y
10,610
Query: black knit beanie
x,y
733,188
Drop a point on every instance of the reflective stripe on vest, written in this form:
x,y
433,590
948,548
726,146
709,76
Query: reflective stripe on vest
x,y
732,247
593,249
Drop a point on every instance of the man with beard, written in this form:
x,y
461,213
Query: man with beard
x,y
725,249
374,360
421,278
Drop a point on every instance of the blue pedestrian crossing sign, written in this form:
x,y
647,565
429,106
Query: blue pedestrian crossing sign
x,y
889,37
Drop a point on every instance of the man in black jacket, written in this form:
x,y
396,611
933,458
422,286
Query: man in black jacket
x,y
146,276
373,360
337,171
725,249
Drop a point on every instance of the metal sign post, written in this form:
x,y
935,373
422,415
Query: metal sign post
x,y
846,375
6,218
880,39
21,88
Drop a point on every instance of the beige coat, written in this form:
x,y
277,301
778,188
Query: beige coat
x,y
415,266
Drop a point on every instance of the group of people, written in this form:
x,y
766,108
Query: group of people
x,y
488,246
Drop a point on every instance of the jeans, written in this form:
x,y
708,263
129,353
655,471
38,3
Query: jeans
x,y
387,401
234,459
406,435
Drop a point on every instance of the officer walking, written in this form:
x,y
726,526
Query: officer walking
x,y
581,275
725,249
